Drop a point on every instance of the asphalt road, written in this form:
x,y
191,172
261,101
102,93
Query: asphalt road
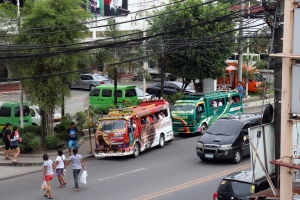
x,y
174,172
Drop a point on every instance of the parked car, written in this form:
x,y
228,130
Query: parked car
x,y
170,87
36,116
140,93
227,138
90,81
239,186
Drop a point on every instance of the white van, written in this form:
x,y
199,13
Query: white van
x,y
36,117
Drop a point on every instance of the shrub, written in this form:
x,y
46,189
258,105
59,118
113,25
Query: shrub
x,y
30,143
51,142
174,97
36,130
64,124
81,119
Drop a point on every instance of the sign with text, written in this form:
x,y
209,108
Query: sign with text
x,y
295,95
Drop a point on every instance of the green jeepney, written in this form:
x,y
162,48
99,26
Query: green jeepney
x,y
194,113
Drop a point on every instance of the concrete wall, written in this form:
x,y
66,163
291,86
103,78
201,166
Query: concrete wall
x,y
209,85
268,74
9,86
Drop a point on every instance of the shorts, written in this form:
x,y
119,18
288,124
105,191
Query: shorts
x,y
73,144
59,172
14,147
7,145
49,177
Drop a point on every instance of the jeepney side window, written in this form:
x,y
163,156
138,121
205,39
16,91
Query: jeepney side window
x,y
165,112
236,99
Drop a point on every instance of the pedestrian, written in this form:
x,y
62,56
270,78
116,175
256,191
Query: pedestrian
x,y
59,165
77,165
48,175
240,89
6,140
73,140
14,143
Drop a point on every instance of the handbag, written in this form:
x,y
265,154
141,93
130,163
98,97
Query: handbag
x,y
14,143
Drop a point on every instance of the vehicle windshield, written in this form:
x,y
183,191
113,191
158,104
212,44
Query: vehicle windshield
x,y
184,107
111,125
140,92
99,77
225,127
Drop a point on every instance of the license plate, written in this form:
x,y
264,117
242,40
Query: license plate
x,y
180,129
209,155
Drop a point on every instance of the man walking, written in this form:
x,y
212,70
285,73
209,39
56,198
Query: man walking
x,y
6,140
73,140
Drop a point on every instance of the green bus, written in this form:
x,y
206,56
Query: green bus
x,y
194,113
10,113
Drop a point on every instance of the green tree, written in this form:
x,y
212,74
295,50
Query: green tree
x,y
47,91
202,49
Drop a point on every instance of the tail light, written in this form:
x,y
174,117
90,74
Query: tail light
x,y
215,196
102,82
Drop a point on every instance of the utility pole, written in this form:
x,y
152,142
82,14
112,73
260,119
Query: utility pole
x,y
286,133
240,53
248,43
145,63
278,35
21,89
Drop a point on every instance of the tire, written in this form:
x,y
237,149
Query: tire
x,y
237,156
203,159
203,128
136,150
92,87
153,95
161,141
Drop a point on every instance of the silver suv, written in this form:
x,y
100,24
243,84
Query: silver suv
x,y
90,81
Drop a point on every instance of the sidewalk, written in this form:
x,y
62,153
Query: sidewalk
x,y
37,159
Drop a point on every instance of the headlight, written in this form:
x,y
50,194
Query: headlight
x,y
225,146
256,85
200,144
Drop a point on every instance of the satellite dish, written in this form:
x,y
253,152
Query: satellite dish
x,y
268,114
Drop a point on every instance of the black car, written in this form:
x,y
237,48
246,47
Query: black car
x,y
170,87
239,186
227,138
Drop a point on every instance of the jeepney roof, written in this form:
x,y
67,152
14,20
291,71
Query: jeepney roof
x,y
144,108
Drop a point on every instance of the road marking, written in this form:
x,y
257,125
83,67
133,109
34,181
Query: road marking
x,y
192,183
122,174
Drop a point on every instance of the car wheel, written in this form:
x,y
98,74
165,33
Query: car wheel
x,y
92,87
136,150
237,157
153,95
203,128
161,141
203,159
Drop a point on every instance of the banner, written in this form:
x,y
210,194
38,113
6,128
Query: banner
x,y
115,7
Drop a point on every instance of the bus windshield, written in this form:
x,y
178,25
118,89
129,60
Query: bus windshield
x,y
183,107
111,125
